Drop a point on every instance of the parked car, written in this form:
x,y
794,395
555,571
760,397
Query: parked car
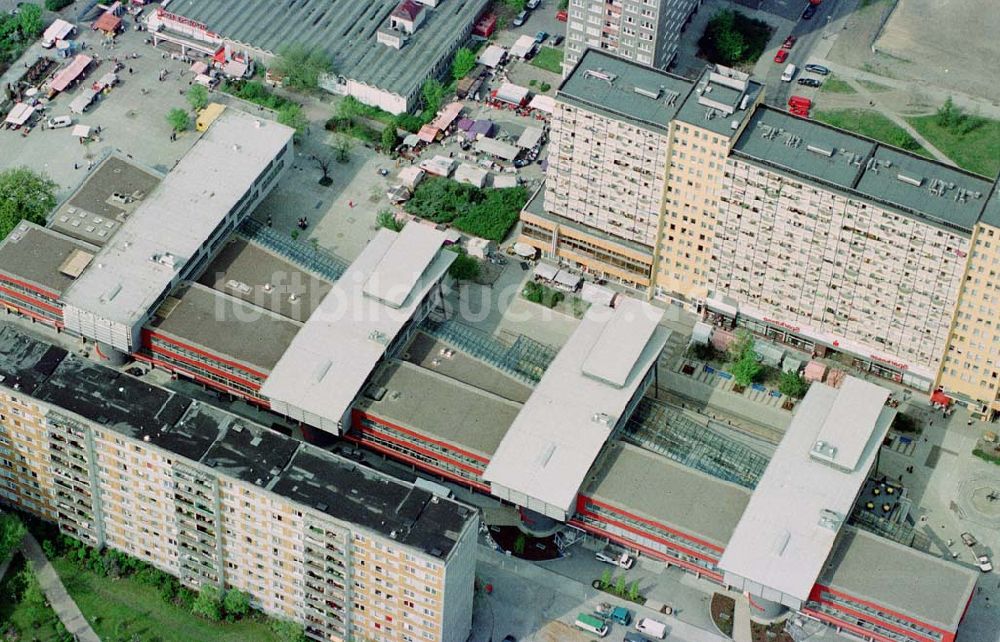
x,y
532,4
968,539
781,56
623,560
58,122
541,36
562,16
789,42
817,69
520,19
556,41
632,636
809,12
982,558
815,2
509,638
651,627
809,82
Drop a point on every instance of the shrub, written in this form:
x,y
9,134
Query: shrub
x,y
208,604
544,87
56,5
178,119
732,38
197,97
793,385
302,66
12,531
464,268
236,604
387,219
606,578
463,63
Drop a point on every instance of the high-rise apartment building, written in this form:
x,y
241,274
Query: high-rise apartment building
x,y
808,235
634,161
216,500
646,31
971,364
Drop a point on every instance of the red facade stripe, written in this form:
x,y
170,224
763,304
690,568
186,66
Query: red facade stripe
x,y
150,334
582,506
32,300
676,561
172,367
365,430
819,587
423,465
192,362
416,435
34,315
25,284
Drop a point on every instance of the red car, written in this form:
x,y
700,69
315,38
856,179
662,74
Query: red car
x,y
799,102
781,55
789,42
815,2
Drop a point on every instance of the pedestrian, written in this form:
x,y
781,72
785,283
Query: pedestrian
x,y
269,221
76,165
130,70
968,423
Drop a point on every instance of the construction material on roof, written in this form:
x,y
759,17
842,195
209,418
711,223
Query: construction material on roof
x,y
439,165
497,148
513,94
492,56
530,137
522,47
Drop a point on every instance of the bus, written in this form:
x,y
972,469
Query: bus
x,y
591,623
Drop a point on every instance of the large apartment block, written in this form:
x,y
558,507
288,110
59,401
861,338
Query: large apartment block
x,y
808,235
216,500
635,156
646,31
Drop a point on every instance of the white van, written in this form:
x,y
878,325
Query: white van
x,y
595,625
58,122
651,627
789,73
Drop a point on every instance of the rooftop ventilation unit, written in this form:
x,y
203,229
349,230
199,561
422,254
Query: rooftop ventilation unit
x,y
642,91
671,98
744,102
820,150
734,125
830,519
600,74
916,182
378,337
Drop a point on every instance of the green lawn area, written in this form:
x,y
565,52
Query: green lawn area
x,y
977,150
834,85
121,608
39,622
873,125
549,59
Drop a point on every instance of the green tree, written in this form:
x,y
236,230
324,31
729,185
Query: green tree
x,y
24,196
463,63
179,119
33,602
342,149
433,93
208,604
29,19
197,97
302,66
388,138
793,384
12,531
516,5
291,114
56,5
633,591
742,346
464,267
288,631
620,586
606,578
387,219
519,544
949,114
743,359
236,604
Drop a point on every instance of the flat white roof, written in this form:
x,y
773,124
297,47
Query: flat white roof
x,y
332,356
795,513
616,352
561,429
175,220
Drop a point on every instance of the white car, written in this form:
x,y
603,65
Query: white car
x,y
651,627
622,560
58,122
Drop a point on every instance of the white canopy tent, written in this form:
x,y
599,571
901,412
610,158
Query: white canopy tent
x,y
546,272
568,280
543,103
511,93
81,131
525,251
530,138
522,47
492,56
20,114
497,148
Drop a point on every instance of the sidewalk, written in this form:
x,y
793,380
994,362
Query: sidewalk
x,y
59,599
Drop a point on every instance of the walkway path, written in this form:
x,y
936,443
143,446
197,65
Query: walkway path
x,y
59,599
741,618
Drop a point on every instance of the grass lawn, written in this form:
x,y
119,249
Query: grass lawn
x,y
834,85
873,125
977,150
122,608
40,625
549,59
873,86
